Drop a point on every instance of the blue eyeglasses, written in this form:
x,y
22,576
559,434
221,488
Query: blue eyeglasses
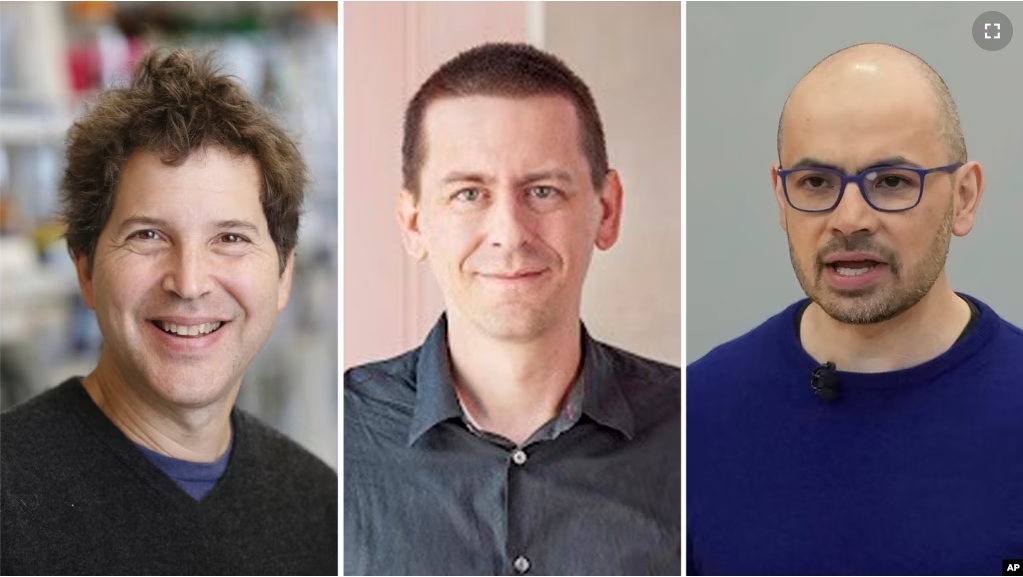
x,y
885,188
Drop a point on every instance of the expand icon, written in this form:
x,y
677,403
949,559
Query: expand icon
x,y
992,31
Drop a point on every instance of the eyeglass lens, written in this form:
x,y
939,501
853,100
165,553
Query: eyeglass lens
x,y
885,188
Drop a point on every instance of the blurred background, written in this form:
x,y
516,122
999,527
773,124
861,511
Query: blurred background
x,y
629,55
54,57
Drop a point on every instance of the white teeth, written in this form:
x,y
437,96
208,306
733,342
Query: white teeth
x,y
189,331
844,271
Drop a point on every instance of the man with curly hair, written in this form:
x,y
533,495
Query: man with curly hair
x,y
181,198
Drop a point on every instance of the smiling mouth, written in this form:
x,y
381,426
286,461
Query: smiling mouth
x,y
514,275
199,330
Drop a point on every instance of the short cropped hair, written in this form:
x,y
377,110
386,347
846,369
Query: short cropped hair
x,y
176,104
503,69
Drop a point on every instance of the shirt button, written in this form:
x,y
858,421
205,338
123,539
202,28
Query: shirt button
x,y
519,457
521,564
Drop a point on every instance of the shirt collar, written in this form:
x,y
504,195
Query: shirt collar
x,y
436,401
604,401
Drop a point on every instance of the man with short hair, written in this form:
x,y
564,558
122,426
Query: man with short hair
x,y
904,455
510,441
182,201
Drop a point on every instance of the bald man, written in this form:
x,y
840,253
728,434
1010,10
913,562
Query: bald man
x,y
875,427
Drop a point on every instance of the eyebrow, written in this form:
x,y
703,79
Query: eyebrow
x,y
477,177
557,175
231,224
236,224
811,162
133,221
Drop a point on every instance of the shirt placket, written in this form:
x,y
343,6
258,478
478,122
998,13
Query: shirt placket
x,y
520,561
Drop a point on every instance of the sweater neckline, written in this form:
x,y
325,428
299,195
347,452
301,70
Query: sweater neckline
x,y
973,342
135,461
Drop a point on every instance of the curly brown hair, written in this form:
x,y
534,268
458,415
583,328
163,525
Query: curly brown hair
x,y
176,104
503,69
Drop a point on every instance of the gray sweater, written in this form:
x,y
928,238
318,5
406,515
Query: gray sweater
x,y
79,498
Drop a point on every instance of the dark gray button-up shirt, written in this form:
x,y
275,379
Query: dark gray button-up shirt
x,y
595,491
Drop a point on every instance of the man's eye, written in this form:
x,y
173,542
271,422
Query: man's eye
x,y
145,235
543,191
815,182
469,194
232,238
892,181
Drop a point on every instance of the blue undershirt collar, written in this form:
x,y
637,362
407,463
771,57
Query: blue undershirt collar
x,y
197,479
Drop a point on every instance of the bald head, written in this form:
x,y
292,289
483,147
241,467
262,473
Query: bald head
x,y
875,72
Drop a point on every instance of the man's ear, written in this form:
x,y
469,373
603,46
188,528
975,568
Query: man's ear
x,y
779,196
84,278
610,211
284,283
967,191
412,236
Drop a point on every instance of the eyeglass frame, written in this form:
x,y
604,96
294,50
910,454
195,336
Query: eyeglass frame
x,y
859,179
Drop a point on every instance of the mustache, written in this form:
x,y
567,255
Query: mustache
x,y
858,243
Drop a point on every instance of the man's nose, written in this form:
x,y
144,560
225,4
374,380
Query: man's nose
x,y
853,214
510,221
188,272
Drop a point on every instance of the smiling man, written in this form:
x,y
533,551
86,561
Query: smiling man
x,y
511,441
182,201
875,427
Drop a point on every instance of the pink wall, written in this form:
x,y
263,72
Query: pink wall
x,y
390,302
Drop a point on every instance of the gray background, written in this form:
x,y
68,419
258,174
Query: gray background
x,y
742,60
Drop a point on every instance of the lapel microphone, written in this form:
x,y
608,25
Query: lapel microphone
x,y
824,382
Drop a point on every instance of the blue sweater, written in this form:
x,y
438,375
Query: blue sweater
x,y
913,472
